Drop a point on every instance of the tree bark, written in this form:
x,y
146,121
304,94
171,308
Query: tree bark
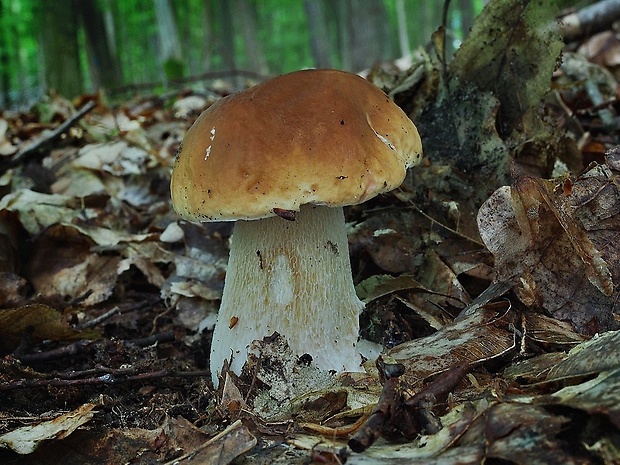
x,y
5,76
369,33
253,48
58,41
105,69
340,11
226,34
207,34
403,35
319,33
110,29
428,17
171,55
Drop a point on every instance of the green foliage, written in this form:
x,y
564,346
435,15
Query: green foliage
x,y
18,29
136,35
282,32
173,68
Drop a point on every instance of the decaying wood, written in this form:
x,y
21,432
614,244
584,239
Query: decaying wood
x,y
590,20
408,416
420,404
380,416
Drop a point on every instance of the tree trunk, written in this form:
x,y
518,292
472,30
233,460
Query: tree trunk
x,y
110,29
207,34
426,19
253,47
341,11
466,8
5,76
58,41
403,35
171,56
105,70
319,34
226,34
369,33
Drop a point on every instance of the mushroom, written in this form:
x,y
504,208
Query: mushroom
x,y
281,159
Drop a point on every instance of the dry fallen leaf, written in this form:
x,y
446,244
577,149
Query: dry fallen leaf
x,y
600,395
543,329
522,434
469,340
597,355
555,243
27,439
6,147
588,358
221,449
41,321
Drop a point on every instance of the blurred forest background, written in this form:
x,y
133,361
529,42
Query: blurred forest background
x,y
124,46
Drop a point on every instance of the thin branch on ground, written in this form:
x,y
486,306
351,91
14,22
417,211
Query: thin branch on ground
x,y
48,137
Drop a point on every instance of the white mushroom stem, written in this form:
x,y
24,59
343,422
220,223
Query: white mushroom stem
x,y
293,277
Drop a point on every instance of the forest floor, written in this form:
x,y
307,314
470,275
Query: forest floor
x,y
491,278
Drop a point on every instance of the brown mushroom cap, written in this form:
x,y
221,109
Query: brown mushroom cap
x,y
324,137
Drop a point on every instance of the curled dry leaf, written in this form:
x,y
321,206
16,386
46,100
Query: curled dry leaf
x,y
600,395
25,440
192,104
468,340
555,243
74,272
595,356
543,329
6,147
13,289
37,211
588,358
117,158
521,434
41,321
222,448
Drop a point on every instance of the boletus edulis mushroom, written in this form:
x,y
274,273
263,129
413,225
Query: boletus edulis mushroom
x,y
281,159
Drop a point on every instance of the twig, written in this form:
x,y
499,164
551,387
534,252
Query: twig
x,y
105,379
447,228
375,424
408,417
441,386
222,448
77,347
150,340
104,316
420,405
46,138
336,432
65,351
383,411
592,19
